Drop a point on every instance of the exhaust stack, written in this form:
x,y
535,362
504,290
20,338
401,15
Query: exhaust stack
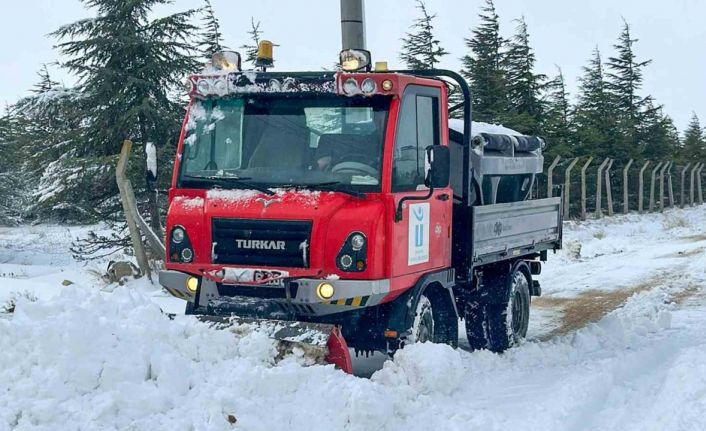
x,y
353,24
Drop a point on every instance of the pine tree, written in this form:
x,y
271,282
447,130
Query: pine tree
x,y
420,49
556,125
483,67
694,146
131,69
524,87
11,201
625,81
255,36
595,127
212,38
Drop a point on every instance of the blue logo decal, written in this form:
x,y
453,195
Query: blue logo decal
x,y
419,235
418,213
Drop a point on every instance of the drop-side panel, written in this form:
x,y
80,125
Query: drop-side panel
x,y
516,228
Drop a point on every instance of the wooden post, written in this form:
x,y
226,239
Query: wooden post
x,y
691,187
567,186
661,185
599,186
550,179
698,184
583,187
641,186
626,190
135,236
608,189
683,184
669,185
652,185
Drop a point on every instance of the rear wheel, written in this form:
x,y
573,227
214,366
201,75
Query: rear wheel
x,y
506,324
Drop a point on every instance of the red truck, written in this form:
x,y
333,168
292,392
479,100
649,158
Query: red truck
x,y
345,199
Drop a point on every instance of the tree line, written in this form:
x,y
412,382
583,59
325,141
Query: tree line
x,y
609,117
59,144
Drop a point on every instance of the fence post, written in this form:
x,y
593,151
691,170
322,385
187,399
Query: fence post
x,y
550,179
599,179
626,202
641,186
567,186
691,187
583,187
669,185
698,184
135,236
608,189
683,184
661,185
652,185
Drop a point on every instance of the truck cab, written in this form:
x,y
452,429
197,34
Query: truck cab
x,y
327,197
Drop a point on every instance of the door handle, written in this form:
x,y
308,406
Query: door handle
x,y
443,197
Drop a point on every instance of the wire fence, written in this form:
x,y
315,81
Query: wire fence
x,y
595,187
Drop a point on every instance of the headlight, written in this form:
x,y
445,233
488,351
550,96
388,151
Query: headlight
x,y
203,87
325,290
357,241
346,261
369,86
187,255
350,87
220,86
178,235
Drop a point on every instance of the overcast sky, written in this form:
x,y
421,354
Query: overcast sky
x,y
563,33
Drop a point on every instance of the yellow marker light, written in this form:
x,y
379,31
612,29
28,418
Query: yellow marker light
x,y
381,66
387,85
265,57
192,283
325,290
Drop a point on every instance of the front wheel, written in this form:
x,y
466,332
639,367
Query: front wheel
x,y
435,320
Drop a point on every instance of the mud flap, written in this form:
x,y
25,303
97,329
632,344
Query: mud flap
x,y
320,343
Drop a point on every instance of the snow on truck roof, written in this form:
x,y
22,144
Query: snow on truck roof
x,y
478,127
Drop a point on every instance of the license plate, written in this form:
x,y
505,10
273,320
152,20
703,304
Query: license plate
x,y
269,278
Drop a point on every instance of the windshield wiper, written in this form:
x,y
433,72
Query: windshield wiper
x,y
230,181
328,186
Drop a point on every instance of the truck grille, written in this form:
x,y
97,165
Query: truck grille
x,y
280,243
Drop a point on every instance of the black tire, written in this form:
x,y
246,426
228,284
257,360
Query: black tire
x,y
506,324
475,329
434,321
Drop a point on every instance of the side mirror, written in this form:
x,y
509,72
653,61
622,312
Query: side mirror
x,y
439,160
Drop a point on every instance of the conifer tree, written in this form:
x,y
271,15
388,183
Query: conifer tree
x,y
625,81
131,68
595,128
255,35
694,146
420,49
524,87
658,136
556,124
212,38
482,66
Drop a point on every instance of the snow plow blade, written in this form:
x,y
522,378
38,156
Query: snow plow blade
x,y
319,343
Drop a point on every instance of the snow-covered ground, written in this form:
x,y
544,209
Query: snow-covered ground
x,y
617,342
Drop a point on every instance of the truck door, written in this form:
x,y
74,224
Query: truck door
x,y
422,238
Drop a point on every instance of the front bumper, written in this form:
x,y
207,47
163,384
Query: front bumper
x,y
297,298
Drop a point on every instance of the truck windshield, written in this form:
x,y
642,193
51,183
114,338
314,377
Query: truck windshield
x,y
317,142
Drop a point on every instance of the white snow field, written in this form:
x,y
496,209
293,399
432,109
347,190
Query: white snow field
x,y
92,356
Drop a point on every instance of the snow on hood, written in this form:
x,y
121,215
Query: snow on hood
x,y
478,127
